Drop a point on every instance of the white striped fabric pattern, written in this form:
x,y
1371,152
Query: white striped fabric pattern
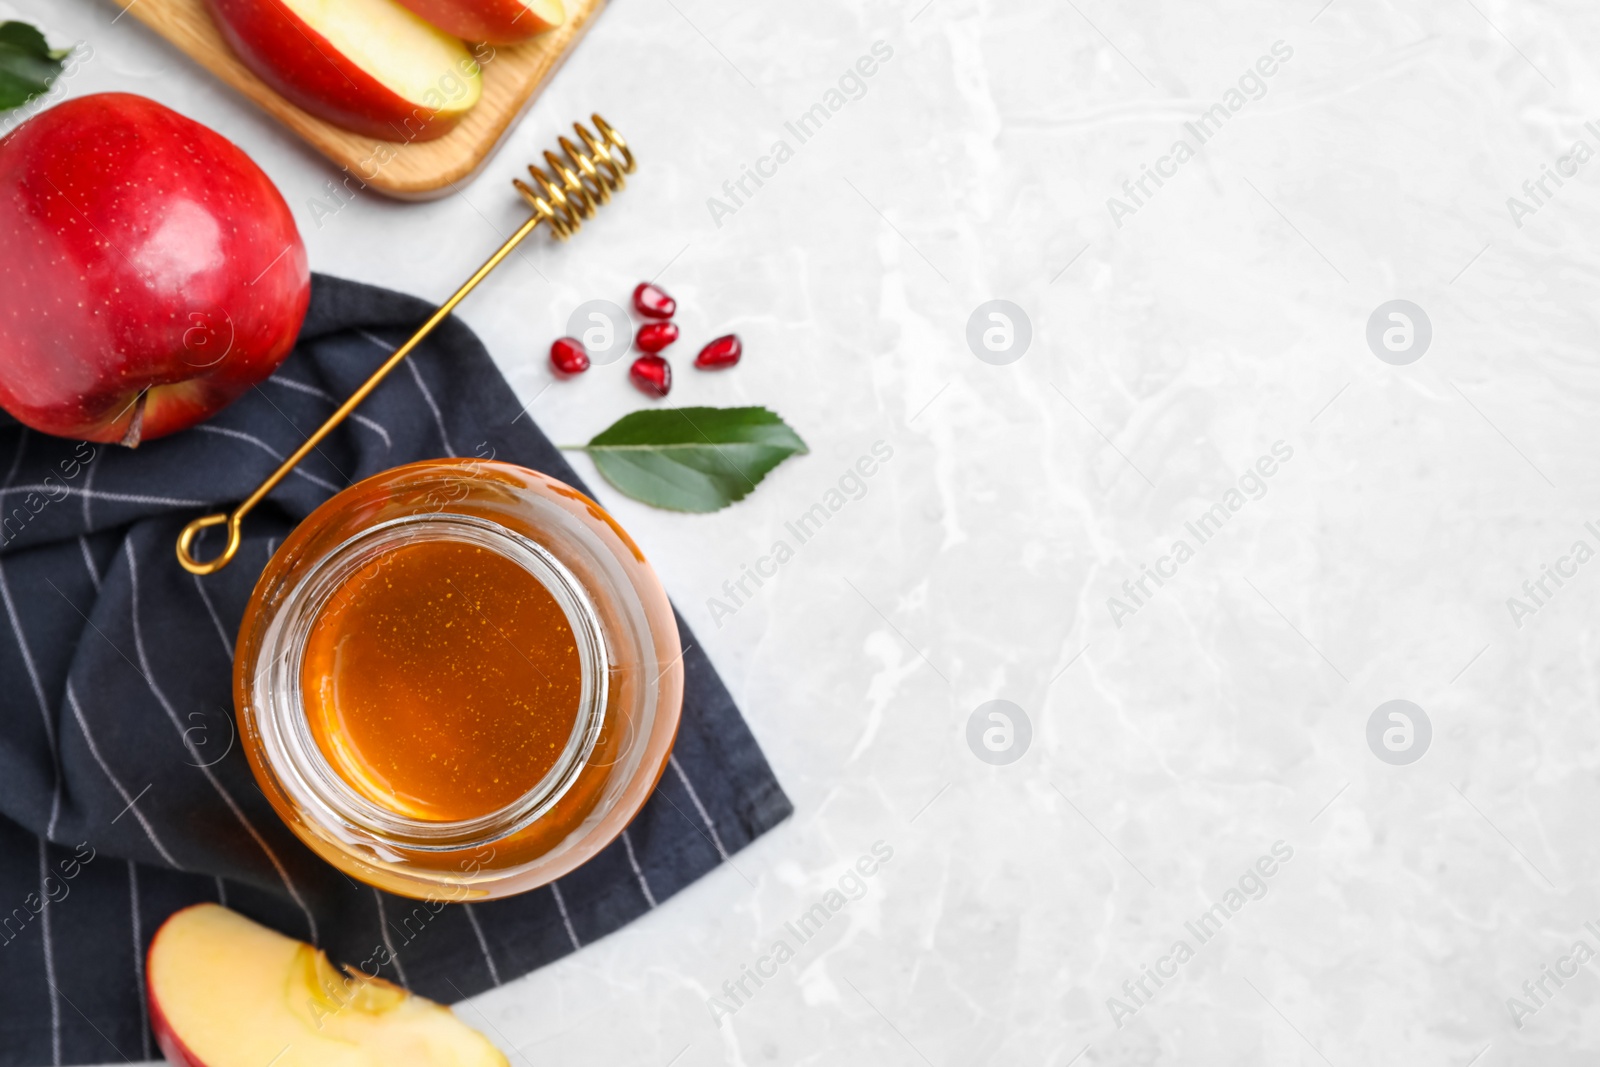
x,y
123,795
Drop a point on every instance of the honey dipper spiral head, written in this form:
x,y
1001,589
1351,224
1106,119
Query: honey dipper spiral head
x,y
574,186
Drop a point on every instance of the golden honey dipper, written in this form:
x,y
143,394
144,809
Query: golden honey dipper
x,y
583,182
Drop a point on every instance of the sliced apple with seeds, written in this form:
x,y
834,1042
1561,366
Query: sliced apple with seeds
x,y
228,992
495,21
370,66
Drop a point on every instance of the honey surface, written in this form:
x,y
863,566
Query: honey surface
x,y
441,681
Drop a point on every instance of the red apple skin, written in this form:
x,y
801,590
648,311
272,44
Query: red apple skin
x,y
142,251
494,21
305,68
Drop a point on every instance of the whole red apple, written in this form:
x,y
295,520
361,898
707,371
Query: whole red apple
x,y
150,273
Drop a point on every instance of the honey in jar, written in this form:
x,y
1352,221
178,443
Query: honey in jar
x,y
442,680
458,679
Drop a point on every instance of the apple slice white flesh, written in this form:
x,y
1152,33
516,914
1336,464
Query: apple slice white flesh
x,y
548,13
228,992
407,55
531,17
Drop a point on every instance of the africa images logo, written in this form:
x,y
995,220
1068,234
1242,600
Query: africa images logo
x,y
852,85
1253,485
1252,85
1251,885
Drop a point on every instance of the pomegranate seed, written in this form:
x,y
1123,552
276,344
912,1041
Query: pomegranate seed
x,y
654,336
652,374
653,302
723,352
568,356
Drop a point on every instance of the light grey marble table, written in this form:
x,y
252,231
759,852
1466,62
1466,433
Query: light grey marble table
x,y
1356,523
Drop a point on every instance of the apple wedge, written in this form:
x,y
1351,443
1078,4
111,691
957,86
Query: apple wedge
x,y
227,992
369,66
495,21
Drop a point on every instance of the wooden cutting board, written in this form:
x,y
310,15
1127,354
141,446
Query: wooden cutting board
x,y
418,171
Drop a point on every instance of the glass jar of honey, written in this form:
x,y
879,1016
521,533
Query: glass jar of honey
x,y
458,680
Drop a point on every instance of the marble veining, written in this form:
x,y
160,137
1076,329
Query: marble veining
x,y
1181,330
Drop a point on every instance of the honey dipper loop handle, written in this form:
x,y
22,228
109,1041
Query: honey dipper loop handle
x,y
190,532
581,188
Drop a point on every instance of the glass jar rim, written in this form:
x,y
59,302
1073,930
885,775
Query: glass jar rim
x,y
304,769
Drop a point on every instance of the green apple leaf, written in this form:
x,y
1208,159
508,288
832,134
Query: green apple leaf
x,y
692,459
27,64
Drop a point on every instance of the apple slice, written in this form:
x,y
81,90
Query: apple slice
x,y
227,992
369,66
495,21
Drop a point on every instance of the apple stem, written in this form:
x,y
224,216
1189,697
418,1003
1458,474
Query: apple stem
x,y
136,427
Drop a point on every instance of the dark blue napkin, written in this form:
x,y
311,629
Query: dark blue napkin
x,y
124,795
